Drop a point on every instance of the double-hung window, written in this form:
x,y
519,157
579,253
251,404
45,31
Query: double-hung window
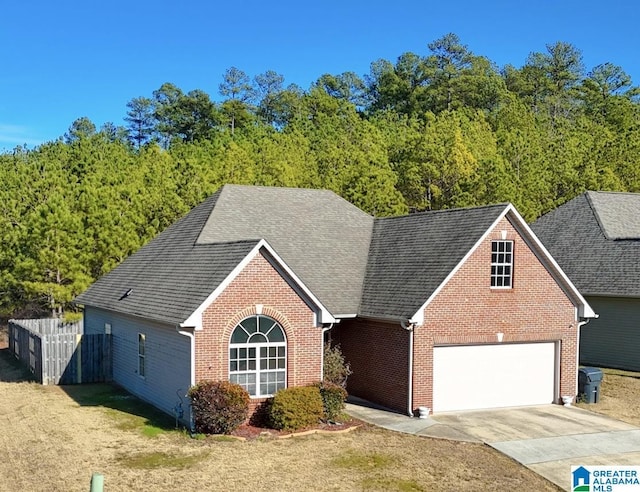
x,y
258,356
501,264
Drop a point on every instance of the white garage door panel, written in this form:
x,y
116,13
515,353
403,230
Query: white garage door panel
x,y
491,376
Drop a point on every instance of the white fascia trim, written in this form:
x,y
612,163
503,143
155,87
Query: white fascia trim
x,y
584,309
195,319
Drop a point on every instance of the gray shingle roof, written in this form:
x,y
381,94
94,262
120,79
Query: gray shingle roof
x,y
353,264
411,256
172,275
323,238
617,213
589,238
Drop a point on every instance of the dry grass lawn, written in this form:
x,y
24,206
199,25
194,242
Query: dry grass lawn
x,y
53,439
619,396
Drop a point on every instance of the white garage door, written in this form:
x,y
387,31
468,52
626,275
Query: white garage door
x,y
491,376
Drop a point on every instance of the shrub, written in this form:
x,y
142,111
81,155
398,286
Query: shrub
x,y
333,397
295,408
336,369
219,407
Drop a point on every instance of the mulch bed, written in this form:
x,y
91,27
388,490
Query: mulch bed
x,y
251,432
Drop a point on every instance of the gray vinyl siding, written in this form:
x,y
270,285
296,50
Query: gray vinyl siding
x,y
612,340
167,358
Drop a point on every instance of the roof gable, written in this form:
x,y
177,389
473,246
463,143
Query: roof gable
x,y
321,236
412,255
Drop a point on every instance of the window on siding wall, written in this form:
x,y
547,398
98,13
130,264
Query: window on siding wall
x,y
141,354
501,264
258,356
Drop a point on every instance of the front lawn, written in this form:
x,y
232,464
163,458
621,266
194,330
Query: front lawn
x,y
619,396
54,438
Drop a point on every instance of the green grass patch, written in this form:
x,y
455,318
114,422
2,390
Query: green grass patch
x,y
149,461
399,485
128,412
363,461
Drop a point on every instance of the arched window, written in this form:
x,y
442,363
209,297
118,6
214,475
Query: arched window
x,y
258,356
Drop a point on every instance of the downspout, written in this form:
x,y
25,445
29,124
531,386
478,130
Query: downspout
x,y
190,333
409,327
580,325
324,330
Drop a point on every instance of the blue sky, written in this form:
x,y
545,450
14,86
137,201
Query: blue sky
x,y
65,59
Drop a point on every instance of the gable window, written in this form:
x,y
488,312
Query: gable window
x,y
141,354
258,356
502,264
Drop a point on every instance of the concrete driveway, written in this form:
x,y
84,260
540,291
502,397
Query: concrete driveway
x,y
548,439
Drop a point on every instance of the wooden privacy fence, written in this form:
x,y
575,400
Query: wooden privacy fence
x,y
60,353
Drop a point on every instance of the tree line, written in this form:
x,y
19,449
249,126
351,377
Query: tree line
x,y
445,129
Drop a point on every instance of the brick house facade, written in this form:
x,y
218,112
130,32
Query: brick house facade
x,y
260,289
391,291
465,311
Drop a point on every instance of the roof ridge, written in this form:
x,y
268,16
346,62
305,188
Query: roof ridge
x,y
446,210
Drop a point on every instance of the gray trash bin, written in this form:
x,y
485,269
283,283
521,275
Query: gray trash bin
x,y
589,379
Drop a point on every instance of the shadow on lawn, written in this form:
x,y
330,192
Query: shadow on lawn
x,y
130,411
11,371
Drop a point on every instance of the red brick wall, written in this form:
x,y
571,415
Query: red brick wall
x,y
467,311
378,354
259,283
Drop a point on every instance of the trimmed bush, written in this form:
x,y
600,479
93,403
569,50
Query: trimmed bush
x,y
296,408
219,407
333,397
336,368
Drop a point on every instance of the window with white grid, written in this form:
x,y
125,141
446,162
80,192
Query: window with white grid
x,y
258,356
502,264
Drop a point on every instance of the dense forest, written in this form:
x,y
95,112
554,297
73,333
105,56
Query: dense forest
x,y
429,131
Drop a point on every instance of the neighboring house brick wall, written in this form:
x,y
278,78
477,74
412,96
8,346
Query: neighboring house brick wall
x,y
612,339
378,353
167,358
468,311
260,283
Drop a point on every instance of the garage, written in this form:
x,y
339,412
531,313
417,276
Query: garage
x,y
471,377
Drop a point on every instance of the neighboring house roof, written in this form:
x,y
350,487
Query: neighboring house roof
x,y
345,262
596,240
412,255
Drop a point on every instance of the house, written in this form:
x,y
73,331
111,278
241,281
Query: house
x,y
453,310
596,240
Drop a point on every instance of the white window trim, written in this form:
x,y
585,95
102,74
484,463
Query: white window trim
x,y
502,264
258,346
